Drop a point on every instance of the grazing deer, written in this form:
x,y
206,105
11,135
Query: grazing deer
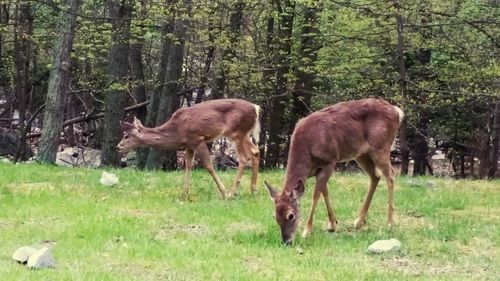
x,y
361,130
191,128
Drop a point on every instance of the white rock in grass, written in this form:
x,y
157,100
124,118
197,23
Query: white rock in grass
x,y
384,246
5,160
22,254
41,259
108,179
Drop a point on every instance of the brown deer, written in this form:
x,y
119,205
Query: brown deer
x,y
361,130
191,128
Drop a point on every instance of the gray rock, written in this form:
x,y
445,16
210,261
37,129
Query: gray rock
x,y
384,246
41,259
22,254
77,157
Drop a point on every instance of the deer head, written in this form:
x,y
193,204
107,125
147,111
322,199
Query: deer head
x,y
131,136
287,209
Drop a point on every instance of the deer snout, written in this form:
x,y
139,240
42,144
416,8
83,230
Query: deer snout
x,y
120,148
287,239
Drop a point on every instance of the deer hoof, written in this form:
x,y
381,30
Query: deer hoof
x,y
331,227
230,195
358,223
306,232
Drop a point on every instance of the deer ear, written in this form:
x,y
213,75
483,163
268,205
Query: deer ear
x,y
298,190
272,191
138,123
126,126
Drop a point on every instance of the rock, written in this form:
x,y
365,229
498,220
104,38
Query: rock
x,y
5,160
108,179
9,141
41,259
77,157
384,246
22,254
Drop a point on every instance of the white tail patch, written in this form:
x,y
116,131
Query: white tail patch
x,y
256,127
400,112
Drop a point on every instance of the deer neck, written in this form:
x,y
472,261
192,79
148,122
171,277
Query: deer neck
x,y
161,137
298,170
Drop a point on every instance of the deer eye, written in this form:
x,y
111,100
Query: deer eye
x,y
125,137
290,216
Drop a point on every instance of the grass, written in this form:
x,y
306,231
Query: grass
x,y
141,230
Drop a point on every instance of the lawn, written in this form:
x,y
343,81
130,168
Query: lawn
x,y
142,230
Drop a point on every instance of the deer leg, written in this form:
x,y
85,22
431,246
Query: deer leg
x,y
385,166
204,155
255,168
188,159
367,164
320,188
309,225
332,219
242,159
237,179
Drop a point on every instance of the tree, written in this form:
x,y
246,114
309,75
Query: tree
x,y
59,81
286,11
169,100
120,13
23,30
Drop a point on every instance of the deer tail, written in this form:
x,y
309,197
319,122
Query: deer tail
x,y
255,132
400,112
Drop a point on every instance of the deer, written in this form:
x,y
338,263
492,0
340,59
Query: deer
x,y
361,130
191,128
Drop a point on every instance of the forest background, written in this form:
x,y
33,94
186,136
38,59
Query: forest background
x,y
75,68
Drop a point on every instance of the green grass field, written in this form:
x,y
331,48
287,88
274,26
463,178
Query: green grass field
x,y
142,230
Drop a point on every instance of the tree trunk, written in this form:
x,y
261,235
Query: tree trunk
x,y
169,101
4,19
277,110
58,85
421,144
267,90
304,85
228,53
484,150
116,94
152,111
138,88
403,131
423,73
495,142
208,62
23,27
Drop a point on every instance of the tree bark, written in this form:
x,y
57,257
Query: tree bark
x,y
58,86
495,142
152,110
267,89
403,131
276,124
4,19
116,95
169,101
138,88
421,144
304,85
228,54
23,27
423,73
